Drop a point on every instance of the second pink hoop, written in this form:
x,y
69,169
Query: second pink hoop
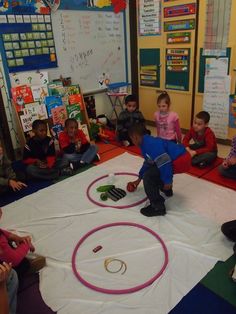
x,y
119,291
113,206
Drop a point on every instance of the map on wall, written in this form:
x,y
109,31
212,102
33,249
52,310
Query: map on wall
x,y
23,6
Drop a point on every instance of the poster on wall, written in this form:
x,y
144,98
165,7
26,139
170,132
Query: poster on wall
x,y
217,66
217,25
86,5
150,67
23,6
180,10
179,25
216,102
177,69
232,111
179,38
149,17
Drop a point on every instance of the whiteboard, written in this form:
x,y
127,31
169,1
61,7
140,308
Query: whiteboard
x,y
90,46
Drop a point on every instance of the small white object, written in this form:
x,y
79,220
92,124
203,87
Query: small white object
x,y
234,274
111,178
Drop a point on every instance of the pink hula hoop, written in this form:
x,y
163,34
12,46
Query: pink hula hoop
x,y
119,291
113,206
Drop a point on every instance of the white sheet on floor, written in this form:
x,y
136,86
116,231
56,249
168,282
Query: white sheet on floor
x,y
57,217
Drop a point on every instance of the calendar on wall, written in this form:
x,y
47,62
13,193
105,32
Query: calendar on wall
x,y
27,42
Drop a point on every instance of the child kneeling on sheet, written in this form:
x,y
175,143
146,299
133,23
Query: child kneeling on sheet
x,y
204,148
13,250
40,156
74,145
8,178
162,159
228,167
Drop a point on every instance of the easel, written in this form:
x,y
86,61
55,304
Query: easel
x,y
116,95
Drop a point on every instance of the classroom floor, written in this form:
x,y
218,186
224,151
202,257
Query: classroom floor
x,y
190,231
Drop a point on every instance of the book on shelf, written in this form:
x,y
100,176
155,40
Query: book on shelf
x,y
52,102
59,115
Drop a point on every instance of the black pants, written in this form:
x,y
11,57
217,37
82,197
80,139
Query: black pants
x,y
152,185
206,158
229,172
229,230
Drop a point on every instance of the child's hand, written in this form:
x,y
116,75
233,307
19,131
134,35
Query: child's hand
x,y
232,161
41,164
191,152
167,187
16,185
4,272
78,146
132,186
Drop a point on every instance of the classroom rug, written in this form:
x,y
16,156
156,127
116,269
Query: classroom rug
x,y
57,217
201,300
219,281
215,177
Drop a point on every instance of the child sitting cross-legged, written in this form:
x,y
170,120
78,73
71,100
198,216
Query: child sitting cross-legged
x,y
228,167
128,117
74,145
163,158
8,178
204,148
40,156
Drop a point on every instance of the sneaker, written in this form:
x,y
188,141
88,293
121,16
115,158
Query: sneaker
x,y
68,171
150,211
37,262
126,143
97,157
202,165
168,193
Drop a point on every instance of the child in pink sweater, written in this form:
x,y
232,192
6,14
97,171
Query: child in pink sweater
x,y
167,121
14,248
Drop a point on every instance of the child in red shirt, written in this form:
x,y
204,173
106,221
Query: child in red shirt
x,y
204,148
15,254
74,145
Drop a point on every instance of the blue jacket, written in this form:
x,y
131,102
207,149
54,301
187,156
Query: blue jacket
x,y
160,152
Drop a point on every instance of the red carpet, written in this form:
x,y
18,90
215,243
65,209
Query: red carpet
x,y
215,177
103,147
110,154
197,172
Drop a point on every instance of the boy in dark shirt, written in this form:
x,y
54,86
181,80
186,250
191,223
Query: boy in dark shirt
x,y
204,148
130,116
40,156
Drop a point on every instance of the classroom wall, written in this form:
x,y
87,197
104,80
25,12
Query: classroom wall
x,y
182,101
103,105
231,44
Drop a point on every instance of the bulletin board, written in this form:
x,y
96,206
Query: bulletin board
x,y
177,69
91,47
202,68
150,67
